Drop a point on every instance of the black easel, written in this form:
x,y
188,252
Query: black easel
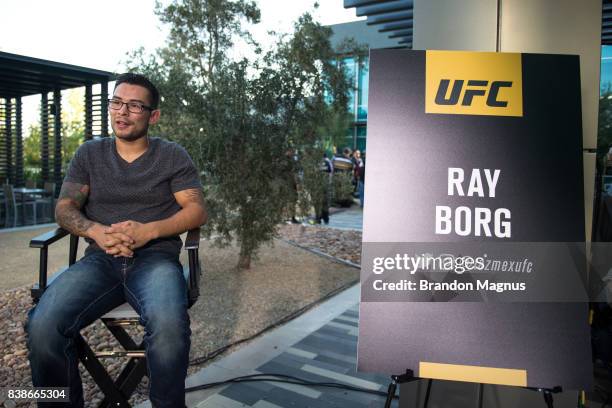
x,y
547,393
402,379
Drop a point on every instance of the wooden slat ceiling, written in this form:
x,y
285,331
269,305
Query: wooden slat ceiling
x,y
392,17
22,76
606,23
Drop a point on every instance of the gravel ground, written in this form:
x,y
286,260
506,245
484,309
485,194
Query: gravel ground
x,y
283,280
342,244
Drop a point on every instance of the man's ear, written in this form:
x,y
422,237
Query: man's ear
x,y
154,117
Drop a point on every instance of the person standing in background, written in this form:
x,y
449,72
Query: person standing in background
x,y
360,175
322,208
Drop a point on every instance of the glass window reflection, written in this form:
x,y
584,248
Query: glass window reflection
x,y
362,89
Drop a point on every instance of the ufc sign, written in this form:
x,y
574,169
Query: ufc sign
x,y
497,91
474,88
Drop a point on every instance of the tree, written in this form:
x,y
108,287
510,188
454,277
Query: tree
x,y
73,133
72,136
604,131
241,120
203,30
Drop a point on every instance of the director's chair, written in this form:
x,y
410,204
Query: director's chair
x,y
117,392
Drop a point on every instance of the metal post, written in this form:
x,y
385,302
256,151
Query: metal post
x,y
480,394
42,269
88,112
428,393
57,134
10,175
104,108
3,170
74,248
19,176
44,136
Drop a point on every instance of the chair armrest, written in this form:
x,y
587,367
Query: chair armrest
x,y
46,239
42,242
192,241
192,245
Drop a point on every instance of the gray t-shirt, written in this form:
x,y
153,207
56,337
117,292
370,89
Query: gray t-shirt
x,y
141,191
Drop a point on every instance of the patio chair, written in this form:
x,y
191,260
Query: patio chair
x,y
2,208
47,202
117,391
14,208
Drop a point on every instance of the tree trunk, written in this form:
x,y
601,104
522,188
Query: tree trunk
x,y
244,261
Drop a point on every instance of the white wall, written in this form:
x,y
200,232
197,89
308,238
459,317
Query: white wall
x,y
455,25
560,27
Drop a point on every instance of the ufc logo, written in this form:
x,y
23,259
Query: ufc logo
x,y
473,89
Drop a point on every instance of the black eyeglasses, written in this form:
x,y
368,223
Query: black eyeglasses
x,y
133,107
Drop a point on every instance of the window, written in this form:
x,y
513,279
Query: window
x,y
606,69
349,69
362,89
361,138
349,139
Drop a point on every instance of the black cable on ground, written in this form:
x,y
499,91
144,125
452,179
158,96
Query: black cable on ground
x,y
287,379
289,317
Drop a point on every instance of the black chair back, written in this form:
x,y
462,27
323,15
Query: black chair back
x,y
49,187
10,205
9,193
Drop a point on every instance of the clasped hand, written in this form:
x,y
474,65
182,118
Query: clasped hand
x,y
121,239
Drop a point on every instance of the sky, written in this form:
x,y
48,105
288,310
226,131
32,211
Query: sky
x,y
98,34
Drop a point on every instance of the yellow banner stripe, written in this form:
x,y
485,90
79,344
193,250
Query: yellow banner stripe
x,y
476,374
473,83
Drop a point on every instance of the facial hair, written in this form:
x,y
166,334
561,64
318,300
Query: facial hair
x,y
132,137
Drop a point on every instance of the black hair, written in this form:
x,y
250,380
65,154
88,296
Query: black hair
x,y
141,80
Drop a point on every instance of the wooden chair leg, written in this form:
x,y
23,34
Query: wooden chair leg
x,y
99,375
116,392
122,336
127,382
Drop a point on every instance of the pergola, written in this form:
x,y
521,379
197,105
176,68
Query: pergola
x,y
392,17
23,76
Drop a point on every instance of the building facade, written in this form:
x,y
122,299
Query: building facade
x,y
357,68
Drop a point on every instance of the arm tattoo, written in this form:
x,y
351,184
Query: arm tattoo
x,y
194,195
68,210
74,192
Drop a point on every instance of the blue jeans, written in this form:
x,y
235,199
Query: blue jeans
x,y
153,284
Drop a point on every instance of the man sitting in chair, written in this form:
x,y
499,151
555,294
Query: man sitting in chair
x,y
130,196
